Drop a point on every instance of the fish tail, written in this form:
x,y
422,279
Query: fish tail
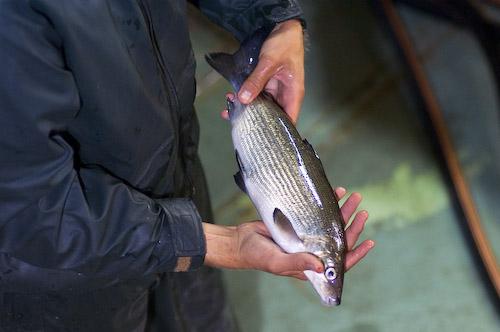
x,y
224,64
238,66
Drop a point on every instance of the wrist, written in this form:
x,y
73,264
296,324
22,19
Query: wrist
x,y
222,246
291,24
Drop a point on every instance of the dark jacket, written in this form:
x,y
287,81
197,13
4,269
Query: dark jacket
x,y
98,155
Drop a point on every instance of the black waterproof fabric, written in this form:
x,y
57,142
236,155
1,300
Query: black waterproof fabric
x,y
101,189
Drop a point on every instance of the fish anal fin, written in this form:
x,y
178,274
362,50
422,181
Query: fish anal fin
x,y
286,229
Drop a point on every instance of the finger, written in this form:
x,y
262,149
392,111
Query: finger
x,y
224,114
356,228
272,87
300,276
354,256
349,206
291,99
261,228
340,193
294,262
257,80
296,275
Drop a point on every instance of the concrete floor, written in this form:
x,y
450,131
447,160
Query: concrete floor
x,y
365,124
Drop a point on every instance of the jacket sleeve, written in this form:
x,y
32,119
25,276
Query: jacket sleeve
x,y
54,214
242,17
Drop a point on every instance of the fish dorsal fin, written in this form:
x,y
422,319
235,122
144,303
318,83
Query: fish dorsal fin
x,y
310,147
238,178
285,228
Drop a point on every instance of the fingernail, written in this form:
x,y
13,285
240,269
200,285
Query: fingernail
x,y
245,96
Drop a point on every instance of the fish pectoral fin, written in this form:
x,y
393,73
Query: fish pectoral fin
x,y
285,227
238,178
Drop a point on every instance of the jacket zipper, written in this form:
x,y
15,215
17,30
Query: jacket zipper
x,y
166,79
164,73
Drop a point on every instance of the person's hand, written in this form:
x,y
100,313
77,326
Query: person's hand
x,y
280,70
250,246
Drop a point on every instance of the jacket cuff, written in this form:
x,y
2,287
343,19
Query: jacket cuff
x,y
181,246
262,13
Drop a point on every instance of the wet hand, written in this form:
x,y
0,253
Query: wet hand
x,y
354,230
280,70
250,246
260,252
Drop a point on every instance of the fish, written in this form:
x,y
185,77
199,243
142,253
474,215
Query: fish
x,y
283,175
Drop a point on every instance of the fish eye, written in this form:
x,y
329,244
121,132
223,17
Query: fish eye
x,y
330,274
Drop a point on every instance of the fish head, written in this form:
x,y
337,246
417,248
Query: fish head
x,y
329,283
328,245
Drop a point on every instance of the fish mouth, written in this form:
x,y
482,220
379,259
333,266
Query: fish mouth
x,y
330,292
331,301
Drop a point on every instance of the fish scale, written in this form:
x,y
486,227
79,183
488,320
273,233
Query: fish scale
x,y
267,140
276,169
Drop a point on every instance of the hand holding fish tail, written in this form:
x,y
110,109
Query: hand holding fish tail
x,y
280,70
250,246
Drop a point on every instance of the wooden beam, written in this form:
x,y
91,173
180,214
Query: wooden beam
x,y
445,142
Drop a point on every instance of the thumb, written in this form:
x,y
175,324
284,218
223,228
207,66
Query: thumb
x,y
300,262
257,80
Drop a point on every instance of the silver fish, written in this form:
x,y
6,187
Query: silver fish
x,y
283,175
